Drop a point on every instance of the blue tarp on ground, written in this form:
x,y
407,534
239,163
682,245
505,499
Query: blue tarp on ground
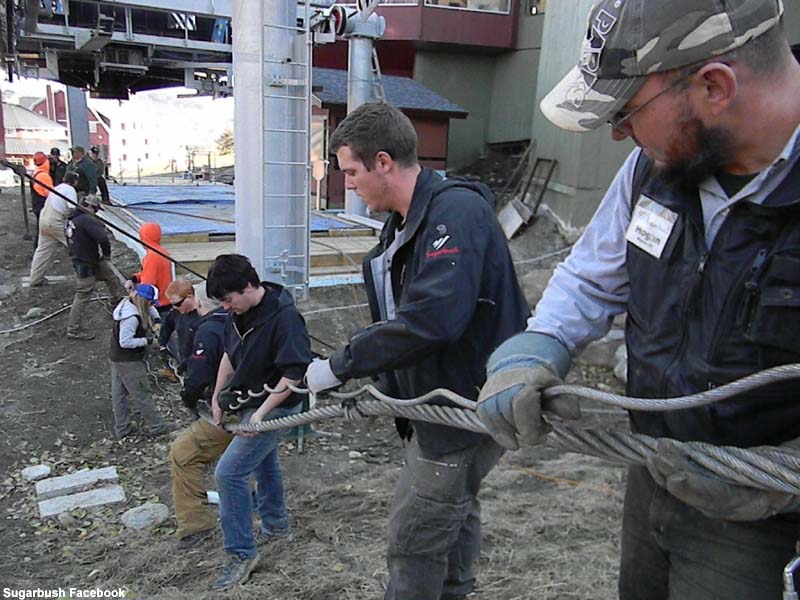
x,y
187,209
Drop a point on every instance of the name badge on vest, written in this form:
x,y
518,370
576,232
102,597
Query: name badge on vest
x,y
650,226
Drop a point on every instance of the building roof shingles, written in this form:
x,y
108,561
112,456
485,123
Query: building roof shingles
x,y
330,86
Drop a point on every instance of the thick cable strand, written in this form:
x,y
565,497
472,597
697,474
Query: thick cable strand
x,y
746,384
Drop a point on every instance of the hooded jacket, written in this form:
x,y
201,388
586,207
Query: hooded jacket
x,y
266,343
206,353
156,270
454,298
42,174
86,238
129,338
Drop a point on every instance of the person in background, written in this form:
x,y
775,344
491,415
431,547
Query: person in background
x,y
100,165
156,270
266,343
201,443
86,170
90,251
39,193
58,167
134,318
51,227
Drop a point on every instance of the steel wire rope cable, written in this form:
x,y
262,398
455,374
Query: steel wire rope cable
x,y
768,469
46,317
145,244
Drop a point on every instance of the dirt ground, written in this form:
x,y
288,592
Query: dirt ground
x,y
551,520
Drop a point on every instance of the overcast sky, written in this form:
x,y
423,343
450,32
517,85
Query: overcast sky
x,y
193,121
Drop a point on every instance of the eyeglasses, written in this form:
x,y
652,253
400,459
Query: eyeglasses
x,y
620,118
179,302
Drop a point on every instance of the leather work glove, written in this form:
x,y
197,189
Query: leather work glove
x,y
714,497
510,405
319,376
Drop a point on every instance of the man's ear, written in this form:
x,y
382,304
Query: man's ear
x,y
719,87
383,162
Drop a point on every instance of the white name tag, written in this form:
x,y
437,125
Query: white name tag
x,y
650,226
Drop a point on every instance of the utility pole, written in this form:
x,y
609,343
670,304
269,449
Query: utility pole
x,y
360,79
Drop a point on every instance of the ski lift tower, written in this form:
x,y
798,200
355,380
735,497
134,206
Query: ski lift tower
x,y
272,51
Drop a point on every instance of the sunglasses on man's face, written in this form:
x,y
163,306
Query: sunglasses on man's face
x,y
179,302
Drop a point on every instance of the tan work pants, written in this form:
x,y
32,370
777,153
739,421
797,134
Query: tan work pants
x,y
51,239
196,447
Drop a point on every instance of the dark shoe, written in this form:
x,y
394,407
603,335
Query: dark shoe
x,y
79,335
264,538
236,572
196,538
40,283
168,428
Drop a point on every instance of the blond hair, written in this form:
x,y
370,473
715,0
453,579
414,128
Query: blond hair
x,y
208,303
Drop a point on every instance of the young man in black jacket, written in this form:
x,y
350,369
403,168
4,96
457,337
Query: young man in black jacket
x,y
443,294
90,251
266,344
201,443
58,167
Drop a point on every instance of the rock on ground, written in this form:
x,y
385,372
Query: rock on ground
x,y
144,516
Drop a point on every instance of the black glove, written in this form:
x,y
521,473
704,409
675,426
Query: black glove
x,y
189,400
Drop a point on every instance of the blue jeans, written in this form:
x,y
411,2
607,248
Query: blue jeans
x,y
257,456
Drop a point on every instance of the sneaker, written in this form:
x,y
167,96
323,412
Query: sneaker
x,y
264,538
236,572
40,283
80,335
196,538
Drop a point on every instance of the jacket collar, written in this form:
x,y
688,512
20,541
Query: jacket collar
x,y
423,192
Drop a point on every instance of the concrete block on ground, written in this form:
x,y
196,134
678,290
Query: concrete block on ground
x,y
601,352
74,482
51,507
147,515
35,472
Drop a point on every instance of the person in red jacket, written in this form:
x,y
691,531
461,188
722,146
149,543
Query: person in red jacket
x,y
156,270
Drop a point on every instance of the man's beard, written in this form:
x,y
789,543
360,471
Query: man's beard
x,y
710,152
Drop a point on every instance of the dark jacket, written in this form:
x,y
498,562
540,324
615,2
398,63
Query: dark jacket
x,y
58,168
86,238
206,353
456,295
698,319
185,326
266,343
87,175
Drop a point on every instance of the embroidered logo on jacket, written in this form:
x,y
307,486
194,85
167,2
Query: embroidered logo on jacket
x,y
439,249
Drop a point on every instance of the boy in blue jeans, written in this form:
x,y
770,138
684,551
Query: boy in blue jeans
x,y
266,343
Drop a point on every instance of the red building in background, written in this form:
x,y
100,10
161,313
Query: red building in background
x,y
54,107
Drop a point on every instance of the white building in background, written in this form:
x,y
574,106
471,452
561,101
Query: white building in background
x,y
153,129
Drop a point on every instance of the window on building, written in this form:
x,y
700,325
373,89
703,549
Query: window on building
x,y
124,142
125,157
494,6
145,141
92,126
146,156
122,126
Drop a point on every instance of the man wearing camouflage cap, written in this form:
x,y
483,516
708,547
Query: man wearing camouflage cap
x,y
698,240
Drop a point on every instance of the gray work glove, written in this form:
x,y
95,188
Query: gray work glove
x,y
714,497
320,377
510,404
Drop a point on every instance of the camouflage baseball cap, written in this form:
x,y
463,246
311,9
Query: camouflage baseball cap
x,y
627,40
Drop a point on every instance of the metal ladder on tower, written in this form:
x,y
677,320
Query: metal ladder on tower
x,y
377,76
287,125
